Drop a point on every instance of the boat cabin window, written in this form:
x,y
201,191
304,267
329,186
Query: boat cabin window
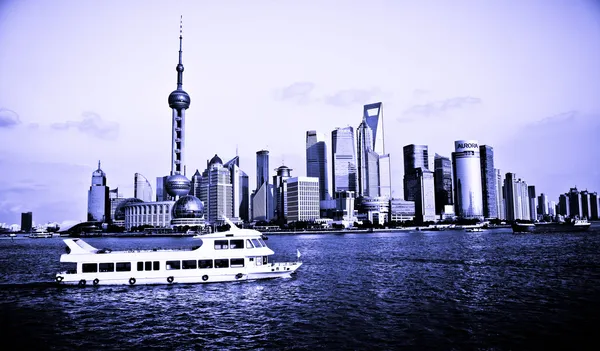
x,y
236,244
237,262
256,243
89,267
123,266
221,244
173,265
189,264
222,263
69,267
148,266
262,242
205,264
106,267
264,259
249,244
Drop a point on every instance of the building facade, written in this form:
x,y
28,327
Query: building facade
x,y
316,162
488,181
280,192
98,199
343,156
425,197
26,221
442,177
415,157
216,192
467,179
302,198
156,214
141,188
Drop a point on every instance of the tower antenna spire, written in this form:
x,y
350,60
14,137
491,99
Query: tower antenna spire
x,y
180,65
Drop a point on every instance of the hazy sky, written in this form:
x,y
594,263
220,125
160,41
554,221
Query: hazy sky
x,y
87,80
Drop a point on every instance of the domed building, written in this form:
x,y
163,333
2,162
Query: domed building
x,y
188,211
119,216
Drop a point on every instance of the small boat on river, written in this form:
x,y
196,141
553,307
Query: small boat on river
x,y
234,255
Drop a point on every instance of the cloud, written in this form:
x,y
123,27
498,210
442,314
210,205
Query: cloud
x,y
91,124
348,97
437,107
298,91
8,118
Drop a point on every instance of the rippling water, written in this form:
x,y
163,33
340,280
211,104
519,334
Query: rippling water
x,y
402,290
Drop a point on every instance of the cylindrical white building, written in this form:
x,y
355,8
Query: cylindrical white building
x,y
467,179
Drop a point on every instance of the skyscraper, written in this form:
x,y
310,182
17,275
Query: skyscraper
x,y
488,181
98,202
280,192
262,199
415,156
424,196
543,205
26,221
500,204
467,179
179,101
316,162
585,205
244,196
575,209
443,182
343,156
367,161
262,167
141,188
532,203
216,191
236,183
195,189
594,206
511,197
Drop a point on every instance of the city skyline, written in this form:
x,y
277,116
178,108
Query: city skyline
x,y
100,92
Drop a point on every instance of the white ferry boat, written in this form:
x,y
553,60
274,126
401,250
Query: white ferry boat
x,y
237,254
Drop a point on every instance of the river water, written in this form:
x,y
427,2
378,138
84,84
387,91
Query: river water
x,y
448,290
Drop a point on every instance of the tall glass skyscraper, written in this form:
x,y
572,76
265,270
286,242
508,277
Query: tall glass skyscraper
x,y
467,179
141,188
443,182
373,164
316,162
488,181
415,156
98,202
262,167
343,156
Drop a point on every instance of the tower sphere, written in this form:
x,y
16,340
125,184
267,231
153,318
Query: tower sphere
x,y
179,99
178,185
188,206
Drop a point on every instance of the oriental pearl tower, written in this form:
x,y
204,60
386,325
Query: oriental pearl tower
x,y
179,101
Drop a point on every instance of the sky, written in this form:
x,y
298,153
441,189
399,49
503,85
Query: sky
x,y
82,81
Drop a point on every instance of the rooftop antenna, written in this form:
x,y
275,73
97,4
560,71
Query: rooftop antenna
x,y
236,150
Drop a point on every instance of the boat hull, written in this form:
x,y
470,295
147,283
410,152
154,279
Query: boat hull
x,y
549,228
198,276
